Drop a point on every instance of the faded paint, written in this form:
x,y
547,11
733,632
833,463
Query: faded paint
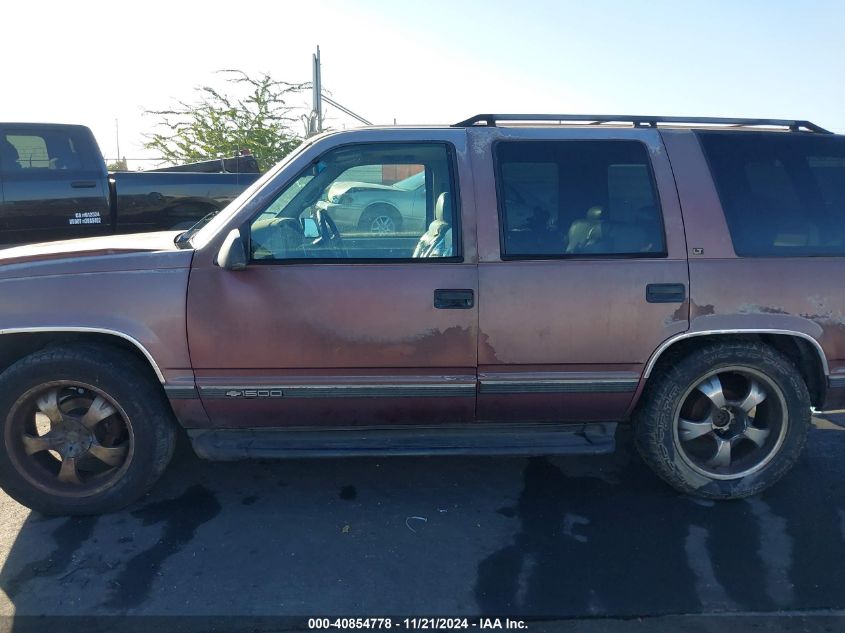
x,y
341,319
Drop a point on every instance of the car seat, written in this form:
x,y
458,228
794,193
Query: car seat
x,y
437,240
586,232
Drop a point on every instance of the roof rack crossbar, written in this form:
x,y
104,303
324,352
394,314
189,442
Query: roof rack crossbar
x,y
490,120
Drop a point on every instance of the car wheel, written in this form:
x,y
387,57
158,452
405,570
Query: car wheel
x,y
85,430
380,219
725,421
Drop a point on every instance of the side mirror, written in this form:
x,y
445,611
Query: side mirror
x,y
232,254
310,228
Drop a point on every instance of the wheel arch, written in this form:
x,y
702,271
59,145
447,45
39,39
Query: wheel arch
x,y
389,206
803,350
17,343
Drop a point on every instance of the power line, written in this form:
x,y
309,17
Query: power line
x,y
345,110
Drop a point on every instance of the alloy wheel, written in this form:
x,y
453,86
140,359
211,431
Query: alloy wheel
x,y
383,224
731,423
69,439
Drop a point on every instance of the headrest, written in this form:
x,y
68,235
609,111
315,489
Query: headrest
x,y
443,208
594,213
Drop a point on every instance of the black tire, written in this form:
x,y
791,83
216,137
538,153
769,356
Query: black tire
x,y
128,387
370,214
657,420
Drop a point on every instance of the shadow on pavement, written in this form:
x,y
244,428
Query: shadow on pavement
x,y
539,537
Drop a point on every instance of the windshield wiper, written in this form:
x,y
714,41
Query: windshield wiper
x,y
185,236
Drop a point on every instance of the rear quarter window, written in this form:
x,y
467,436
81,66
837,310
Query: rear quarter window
x,y
783,194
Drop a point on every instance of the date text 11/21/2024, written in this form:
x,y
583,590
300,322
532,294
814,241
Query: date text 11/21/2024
x,y
423,623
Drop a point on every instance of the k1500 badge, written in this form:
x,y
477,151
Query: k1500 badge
x,y
255,393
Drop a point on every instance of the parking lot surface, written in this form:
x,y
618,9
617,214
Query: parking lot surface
x,y
532,537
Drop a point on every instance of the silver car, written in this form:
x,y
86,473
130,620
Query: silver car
x,y
375,208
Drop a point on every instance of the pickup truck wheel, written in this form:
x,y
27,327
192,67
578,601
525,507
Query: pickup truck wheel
x,y
724,422
380,219
85,430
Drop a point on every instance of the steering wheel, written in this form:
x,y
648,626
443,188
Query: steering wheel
x,y
277,238
329,234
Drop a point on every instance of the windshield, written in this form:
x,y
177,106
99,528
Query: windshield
x,y
209,225
411,182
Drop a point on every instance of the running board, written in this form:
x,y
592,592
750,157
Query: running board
x,y
472,439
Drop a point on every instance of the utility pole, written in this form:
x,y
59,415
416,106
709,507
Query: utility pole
x,y
117,138
315,120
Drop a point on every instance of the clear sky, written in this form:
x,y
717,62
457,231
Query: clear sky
x,y
427,61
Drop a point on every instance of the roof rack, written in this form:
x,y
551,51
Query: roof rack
x,y
490,120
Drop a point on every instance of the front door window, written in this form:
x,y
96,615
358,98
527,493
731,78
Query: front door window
x,y
374,202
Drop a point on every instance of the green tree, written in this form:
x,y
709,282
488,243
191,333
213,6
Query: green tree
x,y
118,165
220,124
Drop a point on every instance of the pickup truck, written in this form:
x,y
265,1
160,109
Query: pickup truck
x,y
680,276
54,185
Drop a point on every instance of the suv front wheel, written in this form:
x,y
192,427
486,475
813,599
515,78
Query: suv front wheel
x,y
726,421
84,429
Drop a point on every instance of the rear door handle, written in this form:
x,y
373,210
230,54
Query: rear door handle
x,y
83,184
454,299
665,293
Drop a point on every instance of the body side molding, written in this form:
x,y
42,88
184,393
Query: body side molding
x,y
338,390
484,385
558,386
180,392
837,382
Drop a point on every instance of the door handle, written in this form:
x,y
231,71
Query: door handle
x,y
454,299
665,293
83,184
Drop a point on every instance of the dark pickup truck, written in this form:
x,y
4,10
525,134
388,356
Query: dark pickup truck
x,y
54,185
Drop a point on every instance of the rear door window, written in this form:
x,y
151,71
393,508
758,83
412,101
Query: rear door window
x,y
783,194
577,198
52,150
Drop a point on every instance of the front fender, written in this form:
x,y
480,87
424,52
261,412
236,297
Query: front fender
x,y
145,306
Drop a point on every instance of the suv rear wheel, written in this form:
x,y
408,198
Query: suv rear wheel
x,y
84,429
725,421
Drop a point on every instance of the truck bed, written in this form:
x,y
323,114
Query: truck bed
x,y
147,201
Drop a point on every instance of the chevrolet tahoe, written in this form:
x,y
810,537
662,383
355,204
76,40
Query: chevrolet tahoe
x,y
574,273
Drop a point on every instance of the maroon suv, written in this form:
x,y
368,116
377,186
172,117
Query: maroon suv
x,y
682,275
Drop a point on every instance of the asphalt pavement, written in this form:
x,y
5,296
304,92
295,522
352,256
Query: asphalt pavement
x,y
542,537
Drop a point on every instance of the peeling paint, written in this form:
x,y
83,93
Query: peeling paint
x,y
751,308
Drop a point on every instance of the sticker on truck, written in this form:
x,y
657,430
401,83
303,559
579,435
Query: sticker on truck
x,y
86,217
